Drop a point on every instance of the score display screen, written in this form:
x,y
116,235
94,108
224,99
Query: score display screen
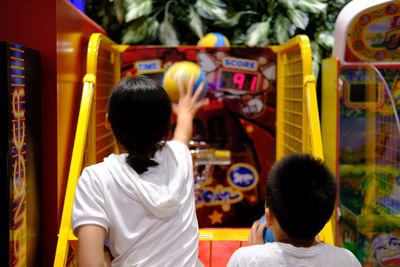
x,y
363,95
238,80
364,92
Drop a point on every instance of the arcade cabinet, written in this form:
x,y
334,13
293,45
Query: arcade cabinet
x,y
361,130
262,107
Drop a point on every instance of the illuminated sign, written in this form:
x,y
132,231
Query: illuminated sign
x,y
375,35
224,196
240,63
148,66
242,176
19,237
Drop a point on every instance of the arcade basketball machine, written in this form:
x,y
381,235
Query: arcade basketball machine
x,y
361,130
262,107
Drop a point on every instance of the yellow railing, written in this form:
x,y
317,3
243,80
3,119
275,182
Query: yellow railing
x,y
92,141
297,122
297,119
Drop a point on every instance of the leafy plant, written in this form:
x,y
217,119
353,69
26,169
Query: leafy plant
x,y
250,23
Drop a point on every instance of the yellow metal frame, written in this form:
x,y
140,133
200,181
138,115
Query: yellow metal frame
x,y
329,119
330,111
85,136
297,122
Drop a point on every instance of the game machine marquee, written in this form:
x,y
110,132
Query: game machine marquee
x,y
361,130
233,142
21,147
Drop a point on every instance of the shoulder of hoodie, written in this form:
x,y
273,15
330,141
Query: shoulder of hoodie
x,y
101,170
179,148
97,172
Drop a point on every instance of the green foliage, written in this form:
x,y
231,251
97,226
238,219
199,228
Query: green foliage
x,y
250,22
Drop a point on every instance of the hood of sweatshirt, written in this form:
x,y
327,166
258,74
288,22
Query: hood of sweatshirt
x,y
159,189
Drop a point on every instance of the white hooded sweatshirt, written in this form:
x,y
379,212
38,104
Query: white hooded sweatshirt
x,y
150,219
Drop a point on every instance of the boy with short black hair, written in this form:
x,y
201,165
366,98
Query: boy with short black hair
x,y
300,199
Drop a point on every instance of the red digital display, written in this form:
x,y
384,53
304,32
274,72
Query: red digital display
x,y
238,80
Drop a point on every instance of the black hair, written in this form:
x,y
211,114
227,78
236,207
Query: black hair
x,y
301,193
139,111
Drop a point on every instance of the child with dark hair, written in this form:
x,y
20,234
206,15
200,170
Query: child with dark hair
x,y
300,199
141,202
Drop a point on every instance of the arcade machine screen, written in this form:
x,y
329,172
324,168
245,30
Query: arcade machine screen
x,y
369,133
233,144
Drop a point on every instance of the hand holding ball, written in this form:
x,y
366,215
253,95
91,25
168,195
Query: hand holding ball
x,y
183,71
268,235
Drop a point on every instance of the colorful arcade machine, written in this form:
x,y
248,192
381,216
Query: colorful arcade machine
x,y
262,107
361,130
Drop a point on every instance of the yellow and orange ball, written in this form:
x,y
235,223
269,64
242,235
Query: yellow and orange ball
x,y
183,70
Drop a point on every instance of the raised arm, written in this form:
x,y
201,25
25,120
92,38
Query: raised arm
x,y
185,111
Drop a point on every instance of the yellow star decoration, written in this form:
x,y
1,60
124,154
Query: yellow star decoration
x,y
216,217
249,129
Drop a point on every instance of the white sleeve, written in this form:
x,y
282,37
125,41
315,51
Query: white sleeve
x,y
237,259
89,206
353,260
182,152
180,148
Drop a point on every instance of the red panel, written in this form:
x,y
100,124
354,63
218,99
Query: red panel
x,y
38,25
221,252
33,25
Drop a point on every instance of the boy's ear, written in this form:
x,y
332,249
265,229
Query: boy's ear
x,y
107,123
269,216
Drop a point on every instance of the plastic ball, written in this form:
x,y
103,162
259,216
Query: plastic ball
x,y
214,39
184,70
268,235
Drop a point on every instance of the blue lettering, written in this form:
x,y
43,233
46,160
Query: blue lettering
x,y
208,196
240,63
223,196
148,66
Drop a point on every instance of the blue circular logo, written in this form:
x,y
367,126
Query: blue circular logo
x,y
242,176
